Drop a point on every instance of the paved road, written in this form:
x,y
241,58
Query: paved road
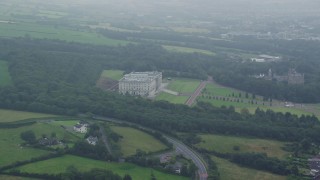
x,y
188,153
184,149
194,96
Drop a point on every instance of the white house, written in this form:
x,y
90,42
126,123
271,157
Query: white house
x,y
92,140
81,128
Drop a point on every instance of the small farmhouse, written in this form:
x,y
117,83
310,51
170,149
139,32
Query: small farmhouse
x,y
81,128
92,140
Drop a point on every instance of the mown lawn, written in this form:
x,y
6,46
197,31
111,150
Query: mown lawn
x,y
66,123
10,142
59,165
231,171
218,90
11,115
134,139
5,78
172,98
112,74
225,144
187,50
183,85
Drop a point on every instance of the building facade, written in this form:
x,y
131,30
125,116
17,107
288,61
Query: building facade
x,y
293,77
140,83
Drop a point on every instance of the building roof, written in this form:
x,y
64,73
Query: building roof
x,y
140,76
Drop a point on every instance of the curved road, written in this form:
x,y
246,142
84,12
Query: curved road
x,y
182,148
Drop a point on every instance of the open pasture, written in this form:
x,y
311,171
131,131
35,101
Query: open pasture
x,y
183,85
226,144
60,164
172,98
231,171
5,78
134,139
10,141
12,115
59,33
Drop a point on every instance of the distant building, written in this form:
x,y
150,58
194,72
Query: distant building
x,y
293,77
140,83
92,140
266,58
81,128
314,164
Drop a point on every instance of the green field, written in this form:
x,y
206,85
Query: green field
x,y
217,90
213,89
10,141
59,165
134,139
225,144
172,98
5,78
51,32
187,50
183,85
112,74
231,171
66,123
11,115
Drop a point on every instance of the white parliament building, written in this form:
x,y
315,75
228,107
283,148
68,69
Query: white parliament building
x,y
140,83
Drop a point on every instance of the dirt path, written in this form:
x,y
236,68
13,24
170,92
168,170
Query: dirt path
x,y
104,139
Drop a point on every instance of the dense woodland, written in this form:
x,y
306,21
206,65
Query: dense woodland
x,y
57,77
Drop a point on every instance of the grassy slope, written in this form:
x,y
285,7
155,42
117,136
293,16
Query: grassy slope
x,y
59,165
172,98
11,116
231,171
225,144
134,139
187,50
183,85
5,78
112,74
10,139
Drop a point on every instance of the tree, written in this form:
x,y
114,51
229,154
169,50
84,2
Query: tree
x,y
127,177
28,136
153,177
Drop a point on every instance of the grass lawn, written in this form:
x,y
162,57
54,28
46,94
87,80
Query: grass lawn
x,y
112,74
51,32
10,139
187,50
183,85
11,115
134,139
231,171
218,90
59,165
5,78
225,144
172,98
66,123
